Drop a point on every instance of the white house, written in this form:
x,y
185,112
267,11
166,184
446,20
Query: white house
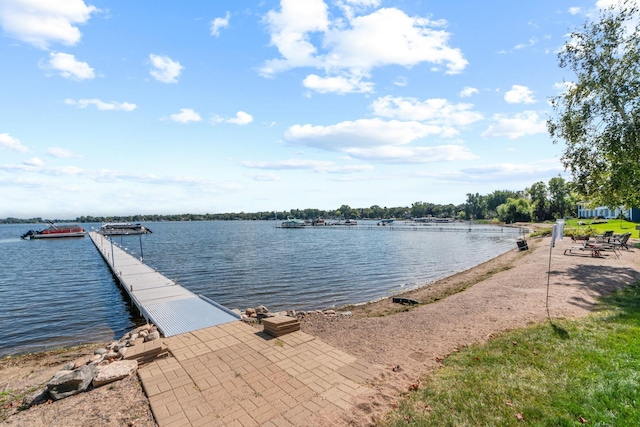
x,y
604,212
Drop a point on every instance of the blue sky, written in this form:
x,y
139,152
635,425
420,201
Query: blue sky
x,y
142,107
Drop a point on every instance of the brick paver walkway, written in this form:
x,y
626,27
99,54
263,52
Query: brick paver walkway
x,y
236,375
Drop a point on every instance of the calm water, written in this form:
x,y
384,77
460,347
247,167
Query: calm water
x,y
59,292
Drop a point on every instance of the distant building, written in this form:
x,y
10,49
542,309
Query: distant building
x,y
584,211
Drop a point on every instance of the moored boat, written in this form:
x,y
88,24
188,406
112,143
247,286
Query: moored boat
x,y
385,221
55,231
292,222
122,228
348,222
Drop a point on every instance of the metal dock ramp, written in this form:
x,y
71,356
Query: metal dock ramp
x,y
172,308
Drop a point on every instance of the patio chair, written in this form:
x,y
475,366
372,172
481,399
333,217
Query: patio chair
x,y
605,237
620,242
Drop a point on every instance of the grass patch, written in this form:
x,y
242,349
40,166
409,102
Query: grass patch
x,y
568,373
599,226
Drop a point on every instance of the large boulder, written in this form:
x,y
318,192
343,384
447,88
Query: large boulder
x,y
37,397
68,383
114,371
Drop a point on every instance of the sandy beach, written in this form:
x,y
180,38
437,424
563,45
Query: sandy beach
x,y
403,342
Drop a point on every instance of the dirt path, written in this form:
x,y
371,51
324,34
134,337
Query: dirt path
x,y
505,293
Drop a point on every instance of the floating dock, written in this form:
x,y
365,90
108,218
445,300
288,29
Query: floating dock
x,y
173,309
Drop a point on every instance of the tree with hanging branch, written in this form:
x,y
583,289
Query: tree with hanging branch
x,y
598,115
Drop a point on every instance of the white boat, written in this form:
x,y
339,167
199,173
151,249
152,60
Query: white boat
x,y
291,222
347,222
123,228
385,221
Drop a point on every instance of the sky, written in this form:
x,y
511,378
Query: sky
x,y
147,107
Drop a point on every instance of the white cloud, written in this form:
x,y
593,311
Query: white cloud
x,y
348,48
7,141
241,118
264,177
468,91
605,4
69,67
186,115
519,95
43,22
379,140
362,133
388,36
401,81
165,69
526,123
563,87
434,111
218,23
34,161
412,155
291,164
574,10
530,43
507,172
61,153
340,85
303,164
101,105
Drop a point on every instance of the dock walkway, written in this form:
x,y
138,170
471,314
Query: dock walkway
x,y
173,309
220,372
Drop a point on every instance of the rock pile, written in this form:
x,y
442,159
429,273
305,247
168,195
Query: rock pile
x,y
261,312
106,365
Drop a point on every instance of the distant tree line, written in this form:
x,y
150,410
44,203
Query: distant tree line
x,y
539,202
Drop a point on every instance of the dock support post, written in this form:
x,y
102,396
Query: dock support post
x,y
113,260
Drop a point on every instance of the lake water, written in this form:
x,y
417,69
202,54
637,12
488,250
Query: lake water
x,y
60,292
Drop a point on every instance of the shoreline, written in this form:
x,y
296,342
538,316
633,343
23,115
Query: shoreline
x,y
401,343
440,288
424,294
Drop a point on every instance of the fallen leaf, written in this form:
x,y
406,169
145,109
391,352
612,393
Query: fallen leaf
x,y
583,420
427,408
514,343
508,403
519,416
438,359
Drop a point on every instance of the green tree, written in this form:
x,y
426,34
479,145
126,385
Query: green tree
x,y
347,212
515,210
559,201
598,115
497,198
538,196
476,206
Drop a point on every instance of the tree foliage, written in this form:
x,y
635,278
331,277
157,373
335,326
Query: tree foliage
x,y
515,210
598,115
538,196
